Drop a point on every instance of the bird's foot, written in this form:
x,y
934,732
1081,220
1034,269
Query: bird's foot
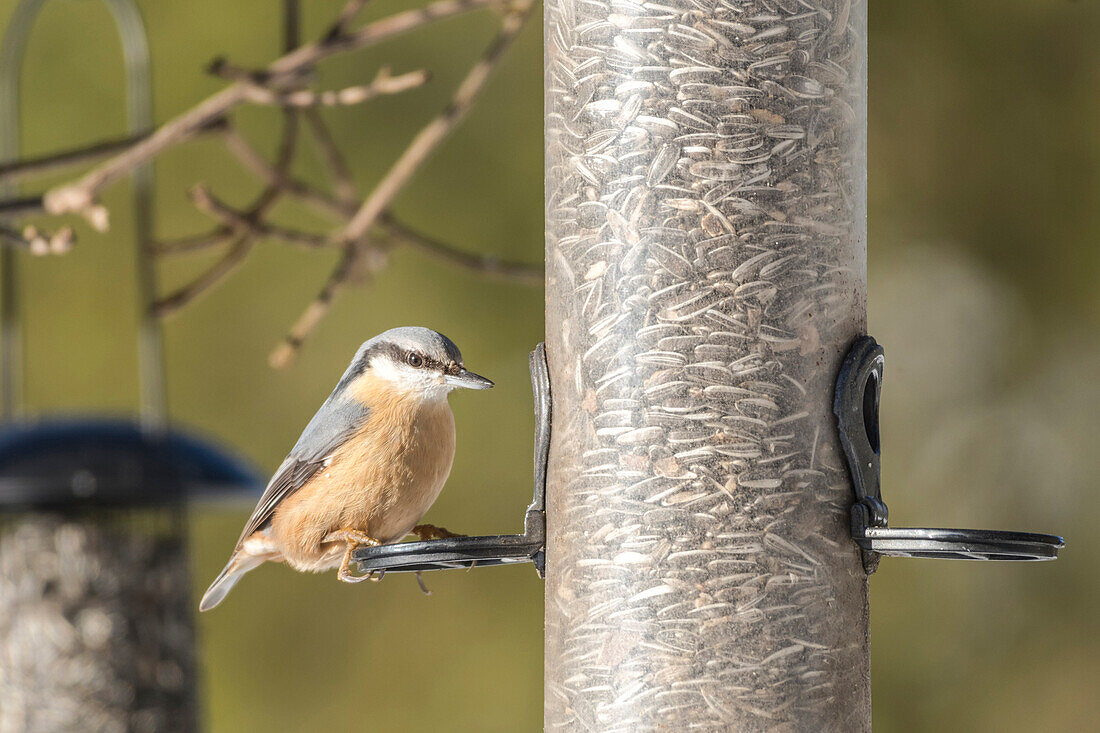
x,y
355,539
431,532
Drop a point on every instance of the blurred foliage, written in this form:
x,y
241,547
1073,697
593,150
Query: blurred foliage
x,y
985,169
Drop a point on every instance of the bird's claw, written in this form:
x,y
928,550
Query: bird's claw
x,y
346,576
431,532
355,539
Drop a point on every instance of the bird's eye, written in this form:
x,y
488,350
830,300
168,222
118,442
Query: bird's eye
x,y
415,360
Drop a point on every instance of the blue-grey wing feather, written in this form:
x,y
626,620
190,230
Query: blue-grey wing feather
x,y
337,420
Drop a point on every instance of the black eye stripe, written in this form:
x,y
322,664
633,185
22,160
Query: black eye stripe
x,y
401,356
421,361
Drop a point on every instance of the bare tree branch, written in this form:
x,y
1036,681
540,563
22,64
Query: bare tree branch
x,y
22,169
242,244
269,174
193,243
375,32
421,147
347,15
343,182
237,253
35,242
486,264
292,25
79,197
366,231
241,223
284,353
233,258
436,131
382,84
22,205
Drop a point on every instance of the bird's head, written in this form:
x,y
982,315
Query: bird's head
x,y
413,360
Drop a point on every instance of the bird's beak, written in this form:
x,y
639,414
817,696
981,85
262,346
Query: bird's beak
x,y
468,379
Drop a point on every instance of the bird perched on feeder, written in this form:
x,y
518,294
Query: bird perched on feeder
x,y
368,465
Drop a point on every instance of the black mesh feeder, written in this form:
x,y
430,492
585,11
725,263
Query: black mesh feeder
x,y
96,619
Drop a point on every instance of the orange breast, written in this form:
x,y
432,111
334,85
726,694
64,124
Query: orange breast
x,y
382,481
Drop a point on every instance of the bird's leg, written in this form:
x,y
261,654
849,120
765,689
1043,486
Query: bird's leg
x,y
431,532
345,574
420,582
355,539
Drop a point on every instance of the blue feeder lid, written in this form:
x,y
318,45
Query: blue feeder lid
x,y
92,462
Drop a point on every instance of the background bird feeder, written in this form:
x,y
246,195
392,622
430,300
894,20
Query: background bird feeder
x,y
96,619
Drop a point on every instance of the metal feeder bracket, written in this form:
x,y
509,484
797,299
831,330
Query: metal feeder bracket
x,y
468,552
856,405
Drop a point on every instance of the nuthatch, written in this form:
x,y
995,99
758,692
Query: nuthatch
x,y
368,465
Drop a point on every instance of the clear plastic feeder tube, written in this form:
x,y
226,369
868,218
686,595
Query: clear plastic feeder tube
x,y
706,258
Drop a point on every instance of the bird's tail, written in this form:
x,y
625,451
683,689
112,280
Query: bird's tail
x,y
238,565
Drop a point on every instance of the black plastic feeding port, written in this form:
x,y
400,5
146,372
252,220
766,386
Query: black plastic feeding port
x,y
856,405
70,464
467,552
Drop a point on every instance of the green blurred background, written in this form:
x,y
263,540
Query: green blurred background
x,y
984,221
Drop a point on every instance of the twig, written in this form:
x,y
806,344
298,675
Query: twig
x,y
252,160
35,242
421,147
347,15
343,182
20,170
79,196
283,161
275,178
192,243
221,67
308,240
382,84
237,253
436,131
246,227
281,84
317,309
239,146
207,203
29,167
486,264
375,32
292,25
22,205
242,223
232,259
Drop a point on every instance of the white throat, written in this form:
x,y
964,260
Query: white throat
x,y
428,385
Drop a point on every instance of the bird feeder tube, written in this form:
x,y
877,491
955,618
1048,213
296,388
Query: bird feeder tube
x,y
706,259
